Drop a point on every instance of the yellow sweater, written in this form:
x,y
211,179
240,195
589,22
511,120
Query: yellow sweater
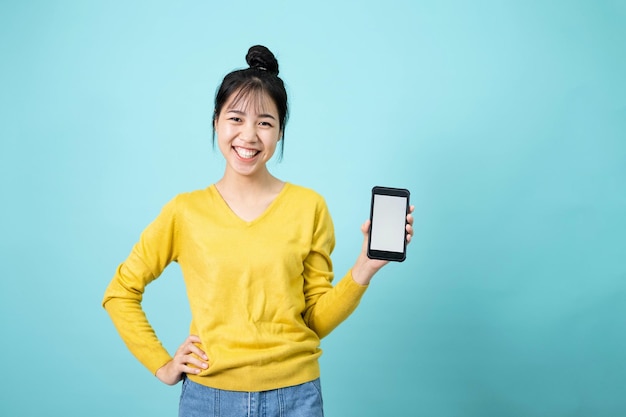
x,y
260,292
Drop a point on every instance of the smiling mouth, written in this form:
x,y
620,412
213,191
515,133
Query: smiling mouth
x,y
246,153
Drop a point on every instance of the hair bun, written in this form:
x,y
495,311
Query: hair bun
x,y
261,58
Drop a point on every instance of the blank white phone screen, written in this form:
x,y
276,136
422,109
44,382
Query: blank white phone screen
x,y
388,223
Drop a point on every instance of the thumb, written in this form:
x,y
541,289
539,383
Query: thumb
x,y
365,227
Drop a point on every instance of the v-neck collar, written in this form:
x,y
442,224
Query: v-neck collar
x,y
260,217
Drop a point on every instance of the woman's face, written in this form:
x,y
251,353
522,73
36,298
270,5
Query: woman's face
x,y
248,131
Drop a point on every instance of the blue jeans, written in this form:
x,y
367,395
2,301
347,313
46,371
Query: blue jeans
x,y
303,400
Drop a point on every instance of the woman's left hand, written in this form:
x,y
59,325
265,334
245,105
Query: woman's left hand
x,y
365,268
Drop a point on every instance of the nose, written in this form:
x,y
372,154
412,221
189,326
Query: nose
x,y
248,133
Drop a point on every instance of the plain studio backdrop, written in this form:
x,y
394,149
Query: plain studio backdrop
x,y
505,119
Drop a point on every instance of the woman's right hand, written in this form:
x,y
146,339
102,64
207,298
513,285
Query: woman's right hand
x,y
189,359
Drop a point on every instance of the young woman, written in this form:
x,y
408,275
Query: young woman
x,y
255,256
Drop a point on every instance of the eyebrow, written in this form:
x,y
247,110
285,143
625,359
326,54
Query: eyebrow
x,y
245,114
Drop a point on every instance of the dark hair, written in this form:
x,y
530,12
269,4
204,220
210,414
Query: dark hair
x,y
254,82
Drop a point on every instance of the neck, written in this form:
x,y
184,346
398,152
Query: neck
x,y
249,186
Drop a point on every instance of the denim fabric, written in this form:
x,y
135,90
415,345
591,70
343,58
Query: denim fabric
x,y
303,400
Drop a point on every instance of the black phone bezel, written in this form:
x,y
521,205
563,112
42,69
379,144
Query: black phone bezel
x,y
379,254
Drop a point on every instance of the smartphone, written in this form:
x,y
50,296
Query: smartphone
x,y
387,238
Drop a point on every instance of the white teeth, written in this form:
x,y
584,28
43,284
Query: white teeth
x,y
245,153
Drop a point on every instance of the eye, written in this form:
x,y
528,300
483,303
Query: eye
x,y
235,119
267,124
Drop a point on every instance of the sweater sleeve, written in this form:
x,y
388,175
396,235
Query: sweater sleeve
x,y
326,306
148,258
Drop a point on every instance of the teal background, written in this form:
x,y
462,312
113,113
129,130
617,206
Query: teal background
x,y
505,119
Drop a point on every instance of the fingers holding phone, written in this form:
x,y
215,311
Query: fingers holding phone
x,y
386,233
